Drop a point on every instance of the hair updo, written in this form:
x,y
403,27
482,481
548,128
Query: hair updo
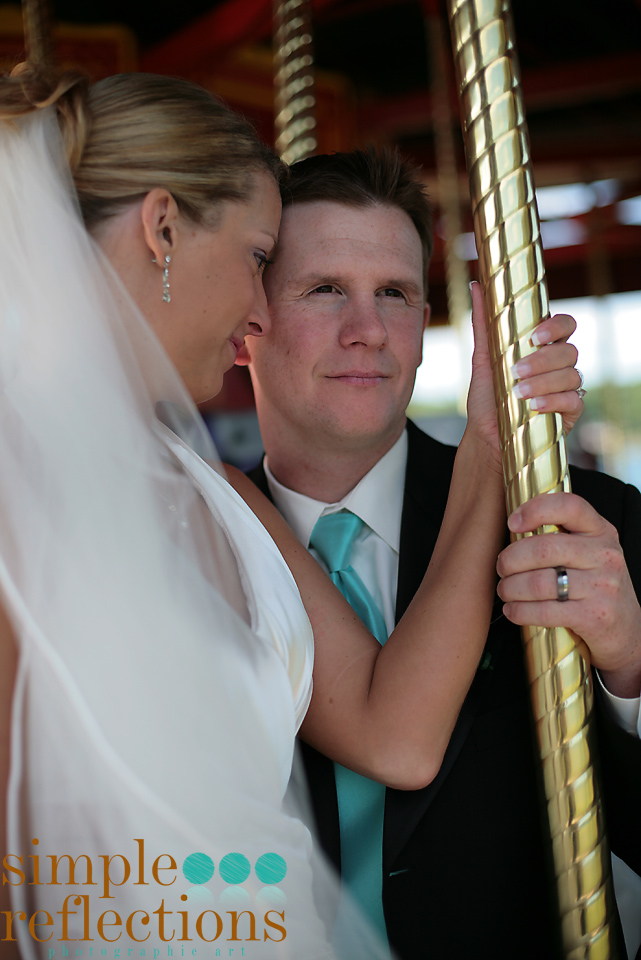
x,y
133,132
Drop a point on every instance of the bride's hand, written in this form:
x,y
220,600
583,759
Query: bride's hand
x,y
548,377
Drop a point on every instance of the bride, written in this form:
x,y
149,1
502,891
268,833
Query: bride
x,y
156,656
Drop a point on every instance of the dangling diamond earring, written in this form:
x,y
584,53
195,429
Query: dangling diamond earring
x,y
166,296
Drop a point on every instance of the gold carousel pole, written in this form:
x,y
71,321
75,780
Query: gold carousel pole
x,y
508,240
295,120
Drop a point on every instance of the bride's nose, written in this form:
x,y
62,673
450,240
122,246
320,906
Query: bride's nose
x,y
259,320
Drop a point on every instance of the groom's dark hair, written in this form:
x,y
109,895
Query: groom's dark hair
x,y
363,178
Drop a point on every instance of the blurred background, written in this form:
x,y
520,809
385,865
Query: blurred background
x,y
383,75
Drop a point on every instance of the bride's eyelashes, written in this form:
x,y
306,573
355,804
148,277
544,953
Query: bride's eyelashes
x,y
262,260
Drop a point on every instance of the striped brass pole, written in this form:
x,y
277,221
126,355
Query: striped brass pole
x,y
295,116
508,239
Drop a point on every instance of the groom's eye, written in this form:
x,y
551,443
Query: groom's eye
x,y
324,288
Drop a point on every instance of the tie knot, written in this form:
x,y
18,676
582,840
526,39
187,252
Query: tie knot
x,y
333,538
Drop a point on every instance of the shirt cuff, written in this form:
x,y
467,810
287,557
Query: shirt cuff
x,y
625,713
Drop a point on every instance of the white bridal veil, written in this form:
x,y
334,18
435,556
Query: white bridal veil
x,y
152,730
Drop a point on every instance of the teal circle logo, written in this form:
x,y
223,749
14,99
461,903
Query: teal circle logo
x,y
234,868
270,868
198,868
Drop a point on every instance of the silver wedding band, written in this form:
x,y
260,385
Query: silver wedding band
x,y
562,585
581,392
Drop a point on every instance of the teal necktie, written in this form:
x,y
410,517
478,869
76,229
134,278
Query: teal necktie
x,y
361,802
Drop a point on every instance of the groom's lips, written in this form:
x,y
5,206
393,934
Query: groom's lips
x,y
359,377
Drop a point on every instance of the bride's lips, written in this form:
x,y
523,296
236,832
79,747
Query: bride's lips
x,y
237,343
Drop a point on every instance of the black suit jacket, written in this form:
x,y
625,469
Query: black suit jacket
x,y
465,860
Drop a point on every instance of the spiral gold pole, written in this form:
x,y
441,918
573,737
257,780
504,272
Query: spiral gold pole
x,y
295,119
508,240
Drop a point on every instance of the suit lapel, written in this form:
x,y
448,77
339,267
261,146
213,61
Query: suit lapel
x,y
427,484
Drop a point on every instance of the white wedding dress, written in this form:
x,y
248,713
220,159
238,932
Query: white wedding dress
x,y
276,613
165,656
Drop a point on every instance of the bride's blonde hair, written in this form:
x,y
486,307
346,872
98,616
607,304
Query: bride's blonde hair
x,y
132,132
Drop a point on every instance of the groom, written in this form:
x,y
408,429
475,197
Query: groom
x,y
462,869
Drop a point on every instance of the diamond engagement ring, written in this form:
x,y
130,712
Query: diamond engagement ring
x,y
581,392
562,585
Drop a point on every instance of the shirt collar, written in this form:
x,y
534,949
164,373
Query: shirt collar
x,y
384,484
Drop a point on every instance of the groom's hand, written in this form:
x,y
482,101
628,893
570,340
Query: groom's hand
x,y
602,606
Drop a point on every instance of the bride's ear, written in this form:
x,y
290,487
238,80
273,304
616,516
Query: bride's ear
x,y
159,216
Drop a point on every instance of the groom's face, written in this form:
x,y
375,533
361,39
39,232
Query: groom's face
x,y
347,302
